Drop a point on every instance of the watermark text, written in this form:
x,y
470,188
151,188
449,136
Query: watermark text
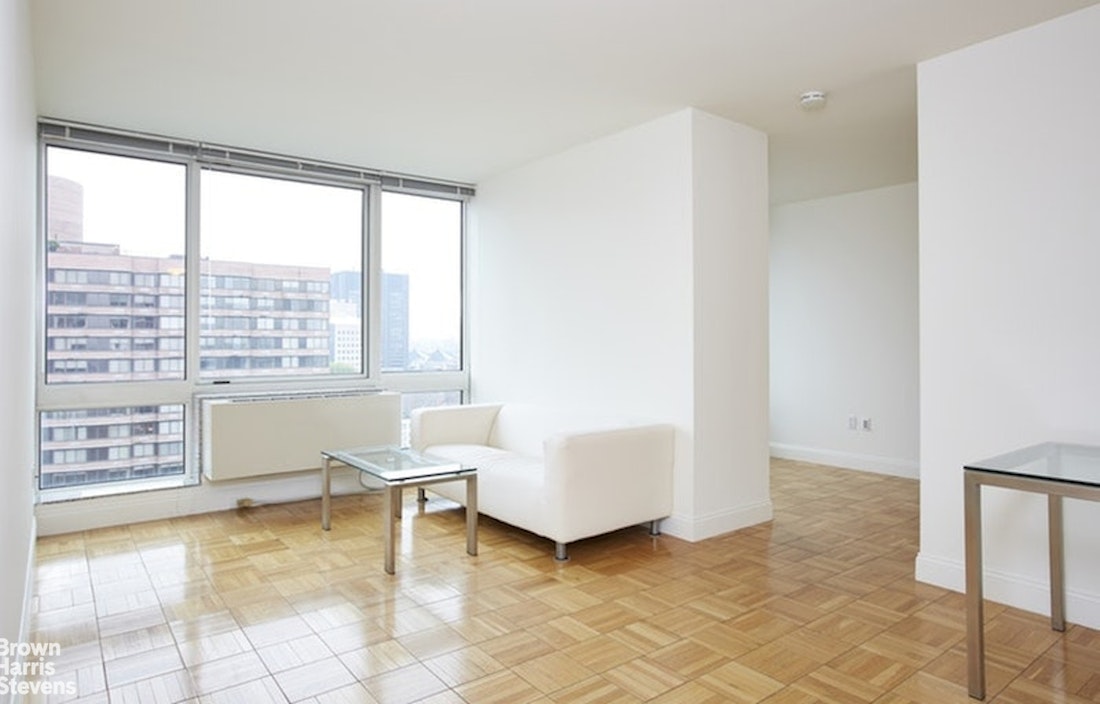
x,y
23,667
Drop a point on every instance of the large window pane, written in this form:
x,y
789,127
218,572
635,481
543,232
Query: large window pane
x,y
87,446
114,252
274,252
421,283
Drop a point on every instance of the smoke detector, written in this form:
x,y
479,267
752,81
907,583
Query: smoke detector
x,y
812,100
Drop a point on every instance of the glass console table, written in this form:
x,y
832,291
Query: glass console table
x,y
395,468
1054,469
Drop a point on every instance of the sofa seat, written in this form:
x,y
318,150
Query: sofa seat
x,y
509,485
561,475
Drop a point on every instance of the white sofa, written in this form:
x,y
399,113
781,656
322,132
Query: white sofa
x,y
557,474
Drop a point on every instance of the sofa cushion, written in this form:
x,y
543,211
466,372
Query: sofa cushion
x,y
480,456
510,487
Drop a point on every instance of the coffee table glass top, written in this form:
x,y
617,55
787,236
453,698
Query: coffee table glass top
x,y
395,465
1055,461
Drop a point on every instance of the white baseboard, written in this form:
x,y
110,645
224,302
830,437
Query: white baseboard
x,y
101,512
1022,592
949,574
694,529
910,469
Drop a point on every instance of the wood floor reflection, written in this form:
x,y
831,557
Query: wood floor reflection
x,y
260,605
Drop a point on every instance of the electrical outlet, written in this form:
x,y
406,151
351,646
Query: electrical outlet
x,y
853,423
865,424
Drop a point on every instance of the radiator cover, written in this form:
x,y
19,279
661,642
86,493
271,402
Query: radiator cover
x,y
251,436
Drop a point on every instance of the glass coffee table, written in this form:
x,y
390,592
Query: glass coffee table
x,y
1055,469
396,468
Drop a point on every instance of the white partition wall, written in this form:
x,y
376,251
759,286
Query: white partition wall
x,y
629,274
844,331
1010,295
730,328
17,218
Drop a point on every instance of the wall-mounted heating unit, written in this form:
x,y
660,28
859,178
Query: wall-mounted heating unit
x,y
247,436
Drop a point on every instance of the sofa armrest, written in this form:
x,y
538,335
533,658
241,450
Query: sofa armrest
x,y
452,425
608,479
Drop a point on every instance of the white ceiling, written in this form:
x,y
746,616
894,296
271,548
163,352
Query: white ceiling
x,y
464,89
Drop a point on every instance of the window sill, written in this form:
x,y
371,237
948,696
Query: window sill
x,y
95,491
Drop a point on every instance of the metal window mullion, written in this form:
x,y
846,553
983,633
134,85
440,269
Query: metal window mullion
x,y
41,280
371,327
464,306
116,150
431,188
193,275
40,314
63,396
248,169
425,382
271,162
192,323
158,147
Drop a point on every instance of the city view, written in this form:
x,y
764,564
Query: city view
x,y
116,315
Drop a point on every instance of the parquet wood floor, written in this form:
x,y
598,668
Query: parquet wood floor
x,y
260,605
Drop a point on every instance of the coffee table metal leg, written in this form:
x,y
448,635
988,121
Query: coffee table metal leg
x,y
975,636
1057,563
326,494
471,514
388,521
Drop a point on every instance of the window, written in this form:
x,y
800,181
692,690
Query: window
x,y
421,295
269,287
82,447
272,244
97,233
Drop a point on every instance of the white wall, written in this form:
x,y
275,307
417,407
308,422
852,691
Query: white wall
x,y
844,324
581,275
585,291
1010,295
730,255
17,265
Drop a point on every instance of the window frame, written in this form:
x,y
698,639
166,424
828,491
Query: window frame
x,y
367,377
195,157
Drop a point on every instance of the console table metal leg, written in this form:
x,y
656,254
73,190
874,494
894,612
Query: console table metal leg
x,y
388,520
471,515
1057,564
326,494
975,636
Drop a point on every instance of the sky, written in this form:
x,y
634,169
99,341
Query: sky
x,y
139,204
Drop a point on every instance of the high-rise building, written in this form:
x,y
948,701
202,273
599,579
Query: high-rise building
x,y
347,289
346,330
66,219
347,286
395,322
114,317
